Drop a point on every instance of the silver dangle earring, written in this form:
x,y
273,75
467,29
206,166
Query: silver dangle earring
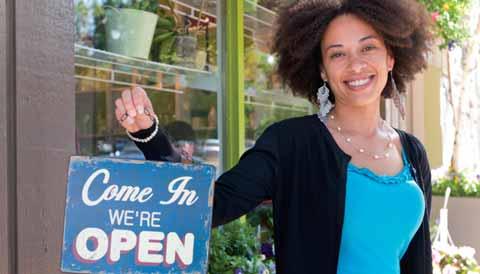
x,y
398,99
324,104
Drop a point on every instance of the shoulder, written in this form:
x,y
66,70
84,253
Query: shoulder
x,y
415,149
412,141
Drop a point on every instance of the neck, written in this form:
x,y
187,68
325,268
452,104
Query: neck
x,y
360,121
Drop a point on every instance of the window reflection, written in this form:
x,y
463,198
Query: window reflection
x,y
267,100
167,47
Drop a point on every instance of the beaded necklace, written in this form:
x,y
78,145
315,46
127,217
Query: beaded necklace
x,y
376,156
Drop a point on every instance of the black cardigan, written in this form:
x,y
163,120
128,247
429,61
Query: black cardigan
x,y
297,164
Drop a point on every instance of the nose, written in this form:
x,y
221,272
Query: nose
x,y
357,64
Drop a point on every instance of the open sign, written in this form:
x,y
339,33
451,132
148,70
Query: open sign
x,y
129,216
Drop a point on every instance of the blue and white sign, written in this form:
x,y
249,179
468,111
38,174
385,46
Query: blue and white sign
x,y
129,216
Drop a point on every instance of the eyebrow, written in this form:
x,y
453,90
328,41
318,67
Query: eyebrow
x,y
361,40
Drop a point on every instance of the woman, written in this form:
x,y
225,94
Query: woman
x,y
350,193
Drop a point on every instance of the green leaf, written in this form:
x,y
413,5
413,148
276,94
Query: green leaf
x,y
166,23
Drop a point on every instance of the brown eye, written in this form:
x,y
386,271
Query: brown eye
x,y
369,48
336,55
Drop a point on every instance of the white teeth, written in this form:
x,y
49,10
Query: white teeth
x,y
358,82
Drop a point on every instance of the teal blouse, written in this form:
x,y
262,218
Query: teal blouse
x,y
382,214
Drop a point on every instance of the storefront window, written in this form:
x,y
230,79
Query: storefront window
x,y
167,47
267,100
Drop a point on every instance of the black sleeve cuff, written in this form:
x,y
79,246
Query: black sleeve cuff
x,y
158,148
144,133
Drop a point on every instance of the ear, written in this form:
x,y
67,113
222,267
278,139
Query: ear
x,y
324,77
323,74
390,61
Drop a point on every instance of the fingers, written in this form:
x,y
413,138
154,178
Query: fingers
x,y
138,96
126,121
136,101
131,109
120,112
142,102
147,102
128,103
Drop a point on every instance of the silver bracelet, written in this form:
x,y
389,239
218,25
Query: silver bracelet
x,y
147,139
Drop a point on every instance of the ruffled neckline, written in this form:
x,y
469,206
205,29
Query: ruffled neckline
x,y
401,177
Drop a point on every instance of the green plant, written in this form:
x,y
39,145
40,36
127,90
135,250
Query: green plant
x,y
81,13
208,42
162,49
448,19
235,246
163,44
262,216
460,184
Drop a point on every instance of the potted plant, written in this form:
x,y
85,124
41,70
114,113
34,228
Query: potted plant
x,y
464,204
130,27
185,47
451,259
206,47
126,27
169,37
234,248
173,41
186,40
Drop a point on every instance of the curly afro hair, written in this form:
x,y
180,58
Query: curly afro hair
x,y
404,25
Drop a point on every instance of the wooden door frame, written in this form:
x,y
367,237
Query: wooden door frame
x,y
7,144
37,125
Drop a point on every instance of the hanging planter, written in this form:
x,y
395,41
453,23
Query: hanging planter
x,y
186,50
186,42
175,40
445,254
130,32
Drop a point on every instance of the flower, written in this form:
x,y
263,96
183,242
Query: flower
x,y
238,271
466,252
445,249
446,7
449,269
435,16
271,267
263,270
436,256
448,259
267,250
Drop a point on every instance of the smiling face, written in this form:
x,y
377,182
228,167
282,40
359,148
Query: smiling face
x,y
355,61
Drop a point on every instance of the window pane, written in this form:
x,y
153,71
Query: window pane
x,y
169,52
266,99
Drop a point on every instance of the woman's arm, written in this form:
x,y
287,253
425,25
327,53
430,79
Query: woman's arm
x,y
240,189
237,191
157,149
250,182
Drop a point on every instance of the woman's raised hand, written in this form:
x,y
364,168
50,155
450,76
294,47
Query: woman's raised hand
x,y
134,110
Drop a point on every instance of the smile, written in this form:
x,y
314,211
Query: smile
x,y
360,83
